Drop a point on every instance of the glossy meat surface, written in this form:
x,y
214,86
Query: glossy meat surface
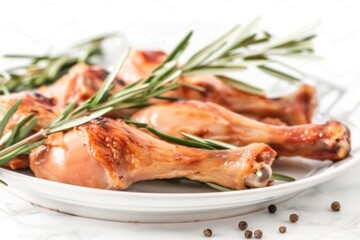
x,y
208,120
296,108
106,153
79,84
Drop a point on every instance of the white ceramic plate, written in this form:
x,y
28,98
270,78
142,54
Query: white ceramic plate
x,y
164,201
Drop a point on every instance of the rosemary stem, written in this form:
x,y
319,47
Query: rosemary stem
x,y
33,138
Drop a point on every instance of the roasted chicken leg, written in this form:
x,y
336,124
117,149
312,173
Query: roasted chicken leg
x,y
296,108
208,120
110,154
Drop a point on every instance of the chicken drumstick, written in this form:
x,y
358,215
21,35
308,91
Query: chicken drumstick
x,y
110,154
208,120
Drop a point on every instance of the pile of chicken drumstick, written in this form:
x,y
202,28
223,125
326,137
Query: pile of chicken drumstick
x,y
108,153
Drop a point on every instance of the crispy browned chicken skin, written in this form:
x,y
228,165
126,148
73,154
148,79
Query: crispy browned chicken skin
x,y
110,154
208,120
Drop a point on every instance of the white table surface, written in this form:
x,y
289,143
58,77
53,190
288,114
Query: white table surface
x,y
30,26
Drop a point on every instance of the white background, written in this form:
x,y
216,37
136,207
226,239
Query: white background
x,y
33,26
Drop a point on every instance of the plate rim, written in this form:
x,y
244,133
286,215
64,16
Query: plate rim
x,y
329,173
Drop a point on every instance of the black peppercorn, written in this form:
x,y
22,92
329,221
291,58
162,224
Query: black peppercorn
x,y
335,206
207,232
248,234
258,234
243,225
282,229
272,208
294,218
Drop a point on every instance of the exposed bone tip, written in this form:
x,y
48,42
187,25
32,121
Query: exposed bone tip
x,y
260,178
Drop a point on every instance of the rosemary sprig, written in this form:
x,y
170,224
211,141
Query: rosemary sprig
x,y
241,48
46,69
